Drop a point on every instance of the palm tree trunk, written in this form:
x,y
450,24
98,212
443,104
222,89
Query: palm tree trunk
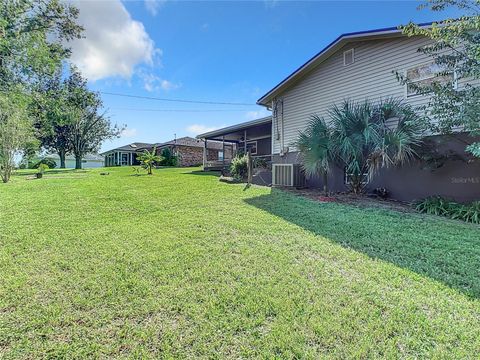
x,y
325,184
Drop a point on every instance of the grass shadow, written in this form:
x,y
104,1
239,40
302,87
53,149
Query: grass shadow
x,y
444,250
204,173
31,172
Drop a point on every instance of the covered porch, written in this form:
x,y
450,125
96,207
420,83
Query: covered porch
x,y
254,137
120,158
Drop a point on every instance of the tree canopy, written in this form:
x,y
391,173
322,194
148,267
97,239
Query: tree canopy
x,y
455,48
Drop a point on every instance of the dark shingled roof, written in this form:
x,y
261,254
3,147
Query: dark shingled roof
x,y
130,147
185,141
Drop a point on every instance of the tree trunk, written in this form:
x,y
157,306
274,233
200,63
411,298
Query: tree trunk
x,y
325,184
78,162
61,155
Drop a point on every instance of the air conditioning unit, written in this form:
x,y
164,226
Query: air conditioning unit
x,y
288,175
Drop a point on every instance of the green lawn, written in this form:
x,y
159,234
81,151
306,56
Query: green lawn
x,y
179,265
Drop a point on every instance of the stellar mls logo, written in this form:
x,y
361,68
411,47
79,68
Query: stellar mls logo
x,y
465,180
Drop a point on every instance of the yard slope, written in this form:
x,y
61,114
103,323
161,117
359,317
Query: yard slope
x,y
180,265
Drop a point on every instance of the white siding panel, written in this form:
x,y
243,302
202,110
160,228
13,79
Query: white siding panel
x,y
371,76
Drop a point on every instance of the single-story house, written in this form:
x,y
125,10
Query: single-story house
x,y
189,151
88,161
124,155
359,66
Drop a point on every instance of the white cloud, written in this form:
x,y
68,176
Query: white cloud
x,y
127,133
196,129
152,82
252,115
270,4
153,6
168,85
114,43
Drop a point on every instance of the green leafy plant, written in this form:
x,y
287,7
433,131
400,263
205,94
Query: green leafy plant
x,y
49,162
454,97
437,205
317,149
361,137
467,212
168,158
41,170
260,163
239,167
434,205
148,159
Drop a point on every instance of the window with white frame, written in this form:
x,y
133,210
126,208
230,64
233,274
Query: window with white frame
x,y
252,147
425,75
348,57
220,155
348,177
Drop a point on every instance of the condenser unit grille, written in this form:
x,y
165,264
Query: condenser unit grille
x,y
282,174
288,175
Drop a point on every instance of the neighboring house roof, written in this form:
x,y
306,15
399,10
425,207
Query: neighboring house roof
x,y
236,127
330,49
130,147
184,141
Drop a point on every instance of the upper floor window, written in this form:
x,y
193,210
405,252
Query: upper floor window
x,y
425,75
348,57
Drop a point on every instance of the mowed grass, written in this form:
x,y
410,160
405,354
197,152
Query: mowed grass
x,y
179,265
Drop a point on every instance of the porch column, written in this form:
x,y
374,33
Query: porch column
x,y
204,154
223,151
245,141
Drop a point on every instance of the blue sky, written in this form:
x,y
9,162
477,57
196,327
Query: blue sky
x,y
227,51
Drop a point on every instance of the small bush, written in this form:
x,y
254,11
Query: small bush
x,y
168,158
239,167
260,163
47,161
42,168
436,205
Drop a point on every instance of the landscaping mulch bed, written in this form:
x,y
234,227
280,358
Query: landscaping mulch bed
x,y
363,200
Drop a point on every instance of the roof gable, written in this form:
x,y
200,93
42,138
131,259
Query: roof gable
x,y
325,53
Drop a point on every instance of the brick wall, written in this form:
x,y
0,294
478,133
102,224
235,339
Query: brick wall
x,y
193,156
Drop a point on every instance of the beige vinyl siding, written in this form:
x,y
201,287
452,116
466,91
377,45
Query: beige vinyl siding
x,y
369,77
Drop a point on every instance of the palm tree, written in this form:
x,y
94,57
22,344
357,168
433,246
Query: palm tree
x,y
149,158
315,147
363,137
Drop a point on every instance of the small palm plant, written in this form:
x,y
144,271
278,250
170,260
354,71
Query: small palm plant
x,y
316,148
362,137
148,159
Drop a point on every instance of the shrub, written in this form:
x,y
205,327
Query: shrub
x,y
260,163
168,158
42,168
47,161
239,167
434,205
468,212
437,205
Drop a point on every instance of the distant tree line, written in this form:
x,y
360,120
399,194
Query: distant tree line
x,y
44,100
